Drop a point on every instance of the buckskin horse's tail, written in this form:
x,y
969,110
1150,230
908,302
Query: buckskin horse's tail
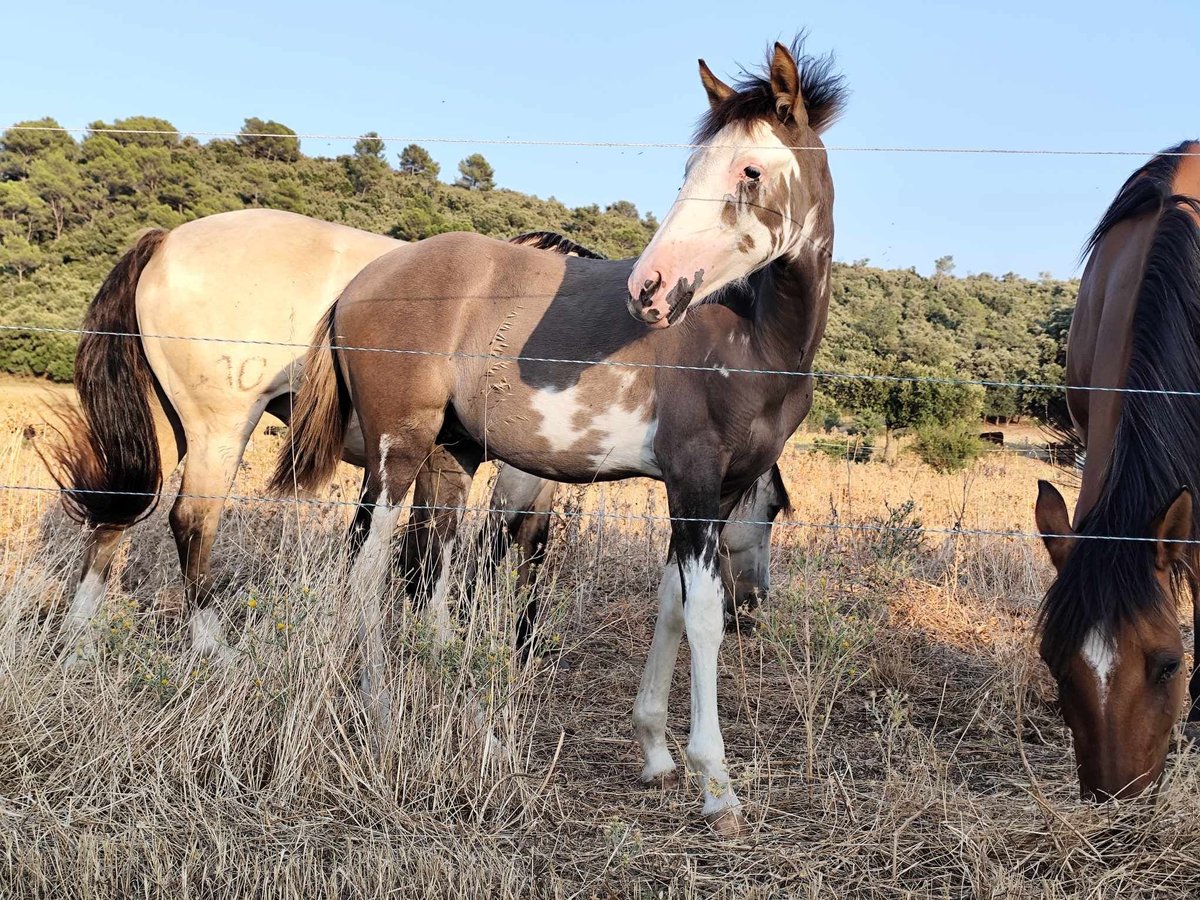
x,y
108,464
320,416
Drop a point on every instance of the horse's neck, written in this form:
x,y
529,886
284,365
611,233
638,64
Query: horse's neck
x,y
790,308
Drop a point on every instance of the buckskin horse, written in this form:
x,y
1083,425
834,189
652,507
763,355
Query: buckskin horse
x,y
461,341
1108,624
239,293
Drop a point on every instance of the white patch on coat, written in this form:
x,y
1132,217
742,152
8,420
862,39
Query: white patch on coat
x,y
1100,654
704,619
624,436
558,410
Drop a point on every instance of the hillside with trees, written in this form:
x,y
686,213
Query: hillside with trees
x,y
69,207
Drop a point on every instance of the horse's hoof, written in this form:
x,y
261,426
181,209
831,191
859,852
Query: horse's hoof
x,y
727,823
665,781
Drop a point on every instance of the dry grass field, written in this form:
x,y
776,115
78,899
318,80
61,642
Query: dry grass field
x,y
890,725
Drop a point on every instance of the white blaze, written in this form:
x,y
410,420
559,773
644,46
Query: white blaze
x,y
1101,657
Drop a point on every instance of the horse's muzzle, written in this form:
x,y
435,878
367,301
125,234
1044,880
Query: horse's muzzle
x,y
658,308
649,307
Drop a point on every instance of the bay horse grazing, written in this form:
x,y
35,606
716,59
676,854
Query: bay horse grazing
x,y
1108,624
478,330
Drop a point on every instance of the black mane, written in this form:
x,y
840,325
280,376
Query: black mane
x,y
1108,583
550,240
823,89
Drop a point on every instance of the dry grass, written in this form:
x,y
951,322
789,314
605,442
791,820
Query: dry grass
x,y
890,727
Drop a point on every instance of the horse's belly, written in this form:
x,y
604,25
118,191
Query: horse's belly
x,y
567,436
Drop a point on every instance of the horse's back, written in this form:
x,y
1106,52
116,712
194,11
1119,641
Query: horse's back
x,y
262,278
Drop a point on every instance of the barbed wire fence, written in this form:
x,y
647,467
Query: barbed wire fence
x,y
721,370
19,329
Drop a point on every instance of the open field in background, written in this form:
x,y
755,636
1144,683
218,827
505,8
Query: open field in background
x,y
889,726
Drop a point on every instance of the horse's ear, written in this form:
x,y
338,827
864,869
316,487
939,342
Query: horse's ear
x,y
1173,524
1053,523
716,89
785,82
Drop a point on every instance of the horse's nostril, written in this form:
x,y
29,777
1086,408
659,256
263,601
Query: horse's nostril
x,y
649,287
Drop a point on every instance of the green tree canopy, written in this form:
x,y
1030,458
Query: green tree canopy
x,y
415,160
258,138
476,174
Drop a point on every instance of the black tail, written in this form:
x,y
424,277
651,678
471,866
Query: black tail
x,y
109,463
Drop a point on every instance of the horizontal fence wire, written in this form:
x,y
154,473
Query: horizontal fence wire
x,y
632,517
722,370
629,145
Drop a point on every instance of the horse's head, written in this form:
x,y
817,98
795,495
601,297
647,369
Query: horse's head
x,y
1111,639
756,188
746,546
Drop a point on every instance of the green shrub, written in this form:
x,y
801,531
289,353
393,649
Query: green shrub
x,y
947,448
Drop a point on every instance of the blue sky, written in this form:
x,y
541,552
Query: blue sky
x,y
1064,75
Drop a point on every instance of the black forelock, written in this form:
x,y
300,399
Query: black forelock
x,y
823,89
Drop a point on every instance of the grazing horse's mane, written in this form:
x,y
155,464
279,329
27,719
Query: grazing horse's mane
x,y
1105,584
781,491
823,89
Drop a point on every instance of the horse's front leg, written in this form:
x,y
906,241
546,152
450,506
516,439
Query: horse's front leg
x,y
696,513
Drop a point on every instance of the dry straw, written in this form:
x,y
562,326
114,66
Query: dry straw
x,y
889,724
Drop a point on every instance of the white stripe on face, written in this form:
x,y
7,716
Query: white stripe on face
x,y
1100,654
698,236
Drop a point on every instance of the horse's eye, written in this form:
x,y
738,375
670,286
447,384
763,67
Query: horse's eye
x,y
1168,670
752,172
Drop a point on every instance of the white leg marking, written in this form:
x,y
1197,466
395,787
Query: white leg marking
x,y
650,709
1101,656
438,612
77,634
705,622
366,587
208,636
85,604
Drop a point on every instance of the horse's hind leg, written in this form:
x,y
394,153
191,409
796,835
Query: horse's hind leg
x,y
211,464
100,549
440,493
392,465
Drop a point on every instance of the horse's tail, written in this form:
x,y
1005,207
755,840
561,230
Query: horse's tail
x,y
320,416
109,464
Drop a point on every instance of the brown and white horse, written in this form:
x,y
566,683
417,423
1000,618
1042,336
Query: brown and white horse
x,y
240,293
1109,629
478,330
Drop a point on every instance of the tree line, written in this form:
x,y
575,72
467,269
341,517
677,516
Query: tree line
x,y
69,207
